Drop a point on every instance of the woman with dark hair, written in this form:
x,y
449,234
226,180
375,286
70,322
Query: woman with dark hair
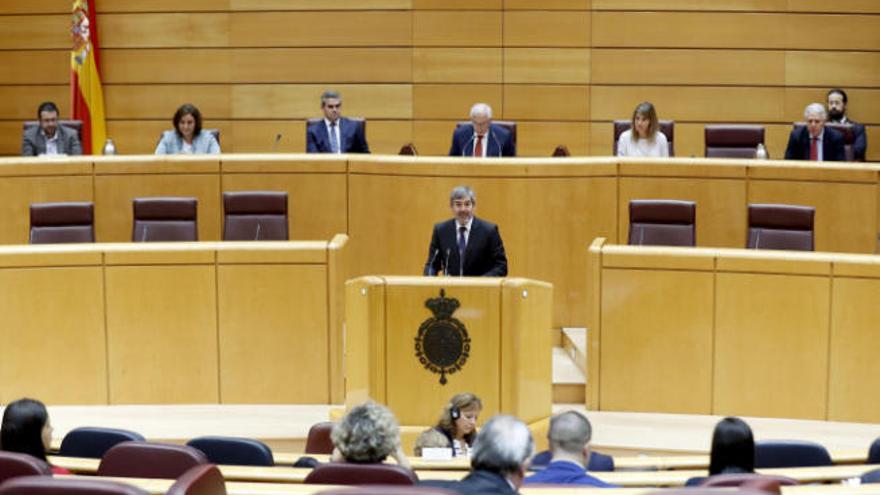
x,y
187,136
644,137
458,422
26,429
733,448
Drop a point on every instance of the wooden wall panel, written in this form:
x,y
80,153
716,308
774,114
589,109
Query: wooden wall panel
x,y
778,342
839,6
724,5
687,30
457,65
160,101
160,5
321,29
688,67
453,101
457,4
302,101
169,30
21,102
699,103
832,32
546,29
550,102
456,28
35,67
863,106
547,4
547,65
35,32
541,138
35,7
829,69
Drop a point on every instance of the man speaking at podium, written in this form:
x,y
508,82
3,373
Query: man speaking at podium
x,y
465,245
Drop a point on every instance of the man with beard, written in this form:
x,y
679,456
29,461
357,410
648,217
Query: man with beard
x,y
49,138
837,115
466,245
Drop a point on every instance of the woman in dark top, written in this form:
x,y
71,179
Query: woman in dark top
x,y
26,429
733,448
458,421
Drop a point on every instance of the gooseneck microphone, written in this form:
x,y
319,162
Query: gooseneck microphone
x,y
446,264
431,271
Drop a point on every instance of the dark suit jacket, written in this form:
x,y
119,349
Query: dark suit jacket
x,y
351,137
860,141
799,145
498,142
566,473
33,143
476,483
483,256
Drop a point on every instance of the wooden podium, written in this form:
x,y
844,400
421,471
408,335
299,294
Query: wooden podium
x,y
400,347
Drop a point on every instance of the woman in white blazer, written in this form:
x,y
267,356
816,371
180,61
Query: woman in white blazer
x,y
187,136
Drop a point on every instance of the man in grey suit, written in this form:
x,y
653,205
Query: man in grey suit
x,y
49,138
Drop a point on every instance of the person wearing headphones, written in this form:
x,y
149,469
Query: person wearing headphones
x,y
458,422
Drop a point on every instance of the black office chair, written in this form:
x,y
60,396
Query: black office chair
x,y
234,451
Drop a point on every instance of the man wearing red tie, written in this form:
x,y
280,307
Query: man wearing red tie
x,y
814,142
482,138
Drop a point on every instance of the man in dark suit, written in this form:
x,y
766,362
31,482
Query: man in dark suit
x,y
335,134
815,142
837,101
49,138
499,459
466,237
482,138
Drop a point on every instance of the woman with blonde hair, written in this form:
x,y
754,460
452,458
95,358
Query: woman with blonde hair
x,y
458,422
644,137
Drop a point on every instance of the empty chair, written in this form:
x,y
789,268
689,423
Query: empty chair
x,y
662,222
781,227
874,452
667,127
790,453
149,460
45,485
732,141
344,473
235,451
597,462
62,222
749,479
507,124
13,464
164,219
560,151
200,480
318,441
94,442
408,149
255,216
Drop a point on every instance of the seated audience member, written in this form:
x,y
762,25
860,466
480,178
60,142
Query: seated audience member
x,y
431,438
335,134
26,429
814,141
368,434
569,439
482,138
837,101
465,245
644,137
458,422
49,138
187,136
499,459
733,448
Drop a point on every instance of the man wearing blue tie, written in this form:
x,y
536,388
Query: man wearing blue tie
x,y
335,133
466,245
482,138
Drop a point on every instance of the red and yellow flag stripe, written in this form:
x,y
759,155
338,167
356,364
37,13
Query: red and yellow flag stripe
x,y
87,96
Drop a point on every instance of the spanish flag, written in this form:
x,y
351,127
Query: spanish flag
x,y
87,98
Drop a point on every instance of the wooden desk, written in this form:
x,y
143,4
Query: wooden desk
x,y
362,196
154,323
695,330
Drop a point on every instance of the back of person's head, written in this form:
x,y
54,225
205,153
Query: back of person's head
x,y
569,433
430,439
733,447
367,434
503,446
22,428
188,109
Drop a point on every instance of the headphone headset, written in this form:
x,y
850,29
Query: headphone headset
x,y
454,412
